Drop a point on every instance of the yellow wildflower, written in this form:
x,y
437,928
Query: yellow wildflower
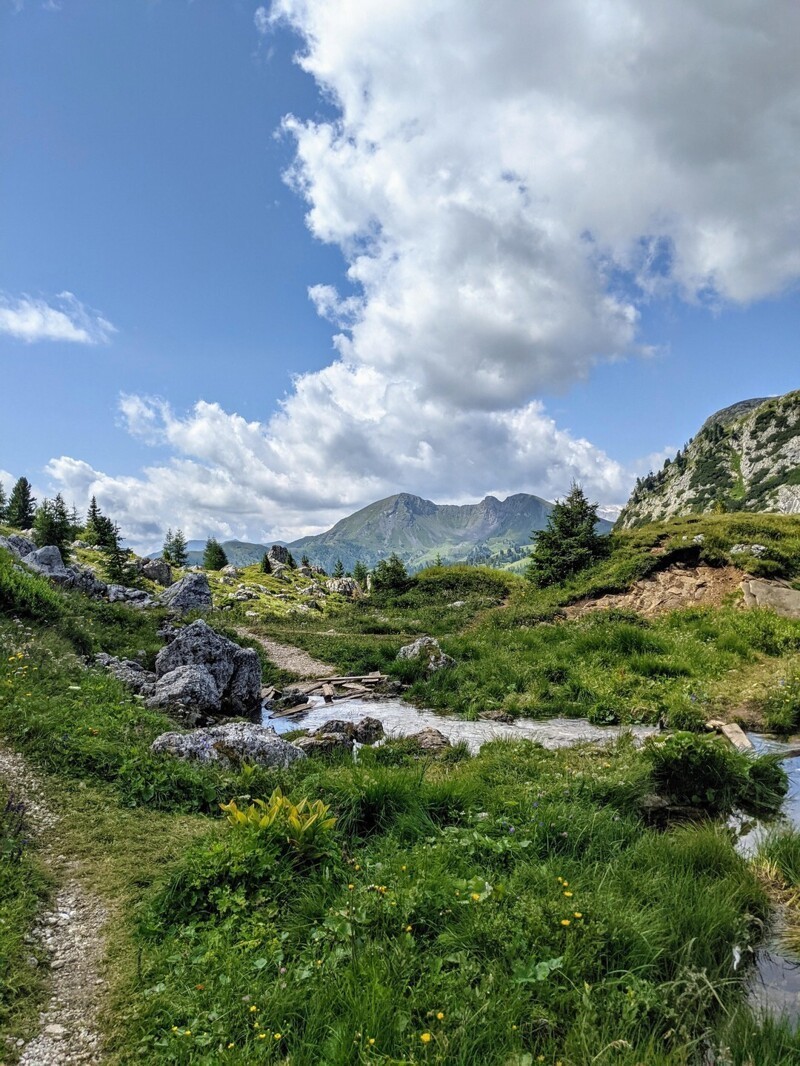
x,y
475,896
440,1016
565,921
276,1036
567,894
578,914
253,1009
371,1041
425,1038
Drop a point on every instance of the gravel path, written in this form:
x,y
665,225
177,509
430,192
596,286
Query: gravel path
x,y
287,657
71,934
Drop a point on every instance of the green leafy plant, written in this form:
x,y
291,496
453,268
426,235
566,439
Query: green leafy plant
x,y
304,825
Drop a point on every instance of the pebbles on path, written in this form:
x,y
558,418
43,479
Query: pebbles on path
x,y
71,933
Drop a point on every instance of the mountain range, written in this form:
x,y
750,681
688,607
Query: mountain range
x,y
497,532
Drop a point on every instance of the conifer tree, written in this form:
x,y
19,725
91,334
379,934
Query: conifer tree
x,y
338,570
390,575
178,549
291,563
51,525
305,561
360,573
21,506
266,565
214,557
166,551
3,503
568,543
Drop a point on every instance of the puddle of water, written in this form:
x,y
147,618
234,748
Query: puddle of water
x,y
401,719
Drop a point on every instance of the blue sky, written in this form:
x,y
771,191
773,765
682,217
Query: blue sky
x,y
463,334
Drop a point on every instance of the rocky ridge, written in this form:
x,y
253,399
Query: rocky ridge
x,y
744,458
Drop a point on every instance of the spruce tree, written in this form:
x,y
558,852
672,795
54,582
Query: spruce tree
x,y
360,573
266,565
305,561
214,557
390,575
568,543
178,552
291,563
51,525
3,503
22,505
166,551
338,570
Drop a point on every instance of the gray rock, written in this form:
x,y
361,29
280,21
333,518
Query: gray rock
x,y
279,554
775,595
427,647
236,671
123,594
325,743
230,571
244,692
189,687
158,570
345,586
230,746
749,549
429,739
367,731
130,673
85,581
46,561
17,545
191,593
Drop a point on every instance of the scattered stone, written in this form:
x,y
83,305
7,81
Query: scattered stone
x,y
749,549
236,671
497,716
427,647
430,740
345,586
230,745
158,570
130,673
191,593
230,571
17,545
279,554
323,743
46,561
123,594
778,596
187,687
366,731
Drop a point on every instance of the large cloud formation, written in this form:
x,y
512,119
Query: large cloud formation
x,y
509,183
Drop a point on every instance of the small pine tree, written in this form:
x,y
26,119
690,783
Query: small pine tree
x,y
438,560
21,507
266,565
291,563
179,551
166,551
305,561
3,503
338,570
119,567
568,543
51,525
214,557
390,575
360,573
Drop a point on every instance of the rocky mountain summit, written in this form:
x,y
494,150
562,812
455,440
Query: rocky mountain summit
x,y
745,457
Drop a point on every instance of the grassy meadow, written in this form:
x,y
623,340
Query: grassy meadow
x,y
516,907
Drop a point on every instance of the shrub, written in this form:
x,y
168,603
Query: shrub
x,y
705,772
304,826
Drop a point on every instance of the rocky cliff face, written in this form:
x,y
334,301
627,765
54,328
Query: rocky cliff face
x,y
744,458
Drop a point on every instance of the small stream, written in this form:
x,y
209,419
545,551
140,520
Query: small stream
x,y
401,719
774,987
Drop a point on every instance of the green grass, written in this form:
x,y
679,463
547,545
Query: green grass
x,y
520,894
22,891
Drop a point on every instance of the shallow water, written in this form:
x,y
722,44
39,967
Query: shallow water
x,y
401,719
774,987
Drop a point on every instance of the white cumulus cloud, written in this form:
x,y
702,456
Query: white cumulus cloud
x,y
30,319
510,184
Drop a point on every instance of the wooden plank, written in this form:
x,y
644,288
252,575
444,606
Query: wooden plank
x,y
737,736
290,712
327,693
363,678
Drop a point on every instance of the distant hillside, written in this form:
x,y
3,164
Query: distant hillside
x,y
744,458
239,552
496,532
